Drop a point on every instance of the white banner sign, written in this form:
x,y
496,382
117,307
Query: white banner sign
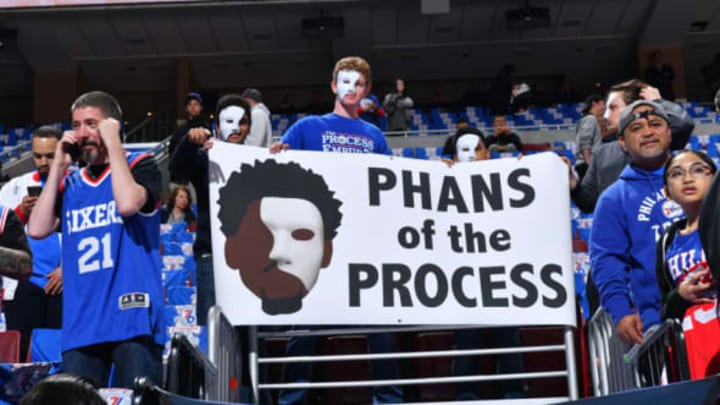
x,y
324,238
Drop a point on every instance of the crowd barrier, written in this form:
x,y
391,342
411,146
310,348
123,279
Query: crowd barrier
x,y
616,366
662,358
189,371
224,352
705,391
609,371
147,393
257,360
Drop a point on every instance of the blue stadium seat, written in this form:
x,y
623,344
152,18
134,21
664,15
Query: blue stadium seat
x,y
408,152
713,145
439,152
45,346
694,143
12,136
421,153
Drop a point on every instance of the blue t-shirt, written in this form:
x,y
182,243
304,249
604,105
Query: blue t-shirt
x,y
333,133
112,288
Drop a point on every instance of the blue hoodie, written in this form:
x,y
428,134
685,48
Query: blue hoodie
x,y
629,218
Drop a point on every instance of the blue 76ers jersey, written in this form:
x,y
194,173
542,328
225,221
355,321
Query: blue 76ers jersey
x,y
111,265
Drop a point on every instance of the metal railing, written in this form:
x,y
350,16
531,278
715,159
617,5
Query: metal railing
x,y
255,360
616,366
662,358
610,373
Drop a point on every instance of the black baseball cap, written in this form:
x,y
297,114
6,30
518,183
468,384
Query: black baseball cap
x,y
194,96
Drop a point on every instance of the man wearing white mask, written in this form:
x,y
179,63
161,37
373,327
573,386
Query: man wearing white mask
x,y
340,131
190,159
468,145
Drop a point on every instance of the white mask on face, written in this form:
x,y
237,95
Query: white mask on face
x,y
466,146
298,238
346,80
229,119
609,100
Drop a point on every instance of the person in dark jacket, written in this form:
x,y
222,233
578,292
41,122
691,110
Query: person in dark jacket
x,y
194,108
398,106
503,139
190,160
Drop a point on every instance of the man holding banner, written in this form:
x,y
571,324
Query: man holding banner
x,y
469,146
190,161
340,131
418,242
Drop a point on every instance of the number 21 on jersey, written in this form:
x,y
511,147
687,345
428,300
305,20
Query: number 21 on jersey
x,y
95,254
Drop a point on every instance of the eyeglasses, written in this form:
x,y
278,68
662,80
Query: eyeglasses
x,y
50,155
696,170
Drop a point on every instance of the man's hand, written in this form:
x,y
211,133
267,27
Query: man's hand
x,y
448,162
630,328
199,135
54,285
278,146
650,93
27,205
63,158
573,180
109,130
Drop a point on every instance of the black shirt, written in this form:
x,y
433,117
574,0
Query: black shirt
x,y
181,131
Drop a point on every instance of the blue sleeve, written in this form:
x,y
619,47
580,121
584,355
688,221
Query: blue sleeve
x,y
293,136
381,146
610,257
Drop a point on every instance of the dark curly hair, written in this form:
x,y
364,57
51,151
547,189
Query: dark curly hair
x,y
273,179
232,99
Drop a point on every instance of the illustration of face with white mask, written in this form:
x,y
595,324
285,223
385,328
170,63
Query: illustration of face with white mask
x,y
284,234
233,124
